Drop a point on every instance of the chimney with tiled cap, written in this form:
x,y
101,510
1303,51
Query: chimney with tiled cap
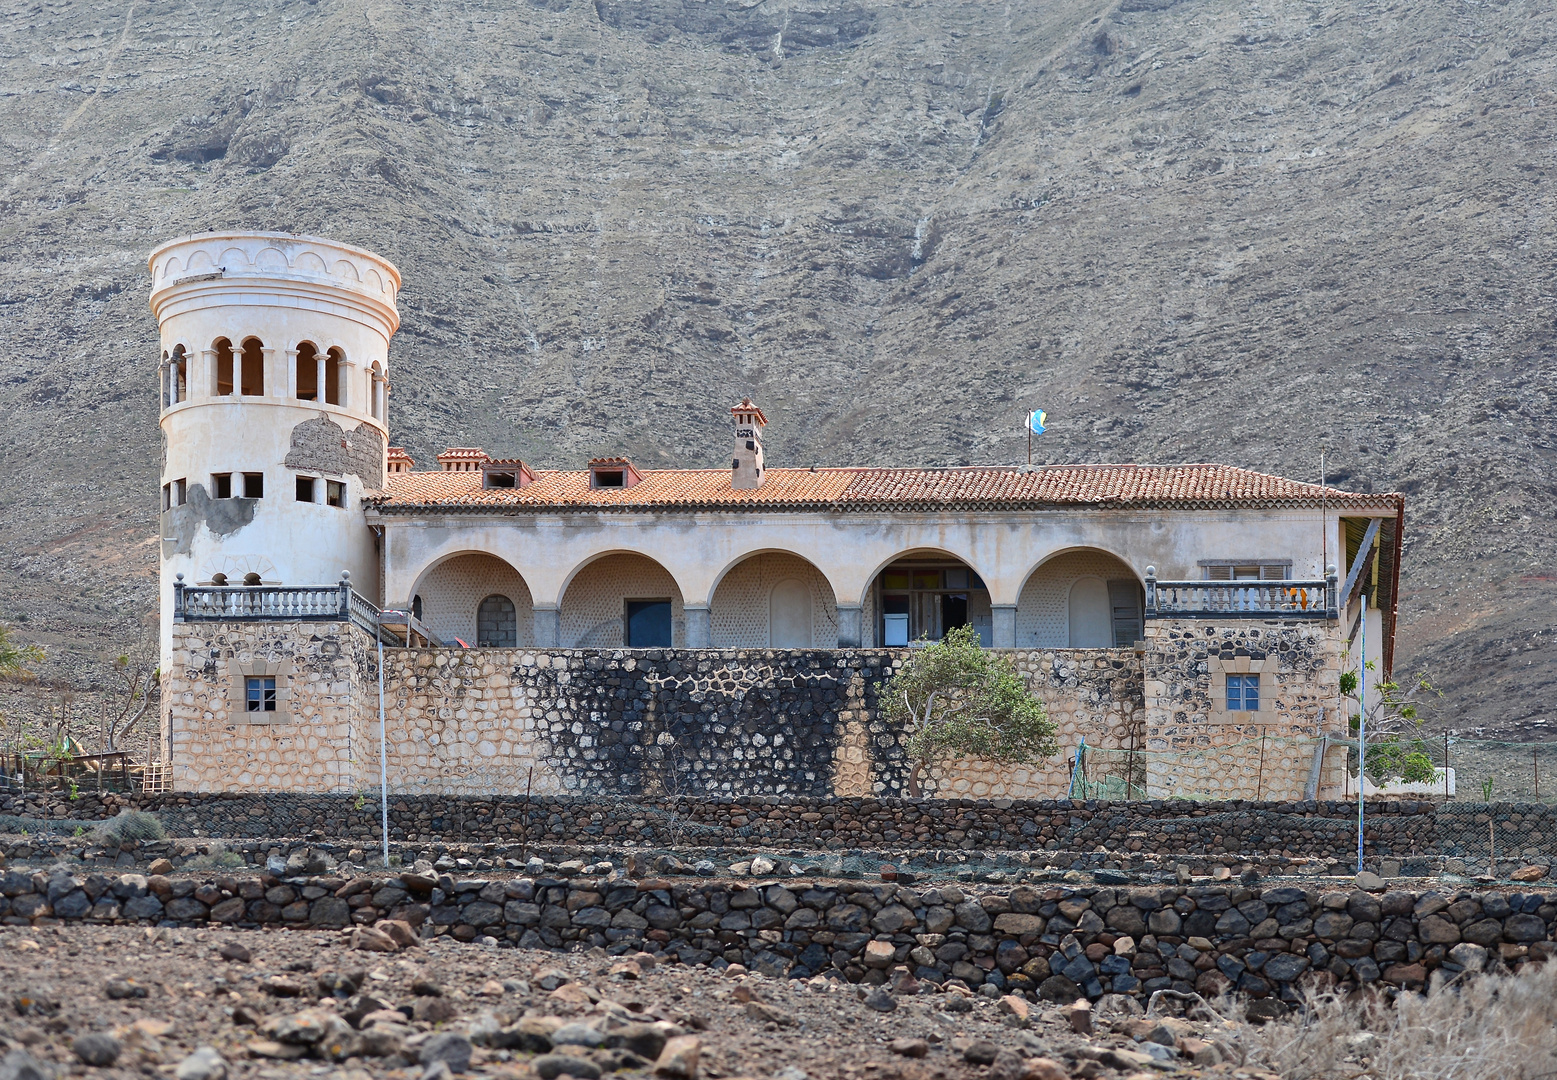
x,y
399,461
462,459
746,471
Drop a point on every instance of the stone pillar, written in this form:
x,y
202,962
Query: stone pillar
x,y
343,392
548,627
849,626
1003,628
699,630
321,378
276,371
291,373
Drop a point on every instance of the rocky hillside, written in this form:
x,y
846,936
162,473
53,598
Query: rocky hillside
x,y
1194,230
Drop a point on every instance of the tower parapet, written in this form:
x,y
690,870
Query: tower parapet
x,y
274,379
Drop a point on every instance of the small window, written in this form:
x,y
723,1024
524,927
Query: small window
x,y
335,493
261,695
252,579
180,492
610,478
648,624
221,485
305,489
167,497
219,580
500,480
1252,570
1243,693
253,485
416,606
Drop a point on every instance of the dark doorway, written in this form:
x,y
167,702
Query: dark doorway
x,y
648,624
954,611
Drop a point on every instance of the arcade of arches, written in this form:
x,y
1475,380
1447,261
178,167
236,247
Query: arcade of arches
x,y
1077,599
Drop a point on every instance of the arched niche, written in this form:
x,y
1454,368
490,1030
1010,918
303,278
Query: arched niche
x,y
773,599
450,594
1082,598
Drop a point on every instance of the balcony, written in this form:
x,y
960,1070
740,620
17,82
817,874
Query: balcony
x,y
304,603
1240,599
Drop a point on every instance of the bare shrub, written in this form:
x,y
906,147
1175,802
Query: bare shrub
x,y
130,825
1500,1026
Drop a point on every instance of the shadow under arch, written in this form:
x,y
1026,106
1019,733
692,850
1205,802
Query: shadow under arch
x,y
1081,596
620,598
450,591
772,598
920,593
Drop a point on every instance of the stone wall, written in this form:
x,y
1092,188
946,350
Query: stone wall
x,y
325,675
1191,751
1056,942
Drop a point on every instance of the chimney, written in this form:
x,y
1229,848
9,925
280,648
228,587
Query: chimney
x,y
746,471
399,461
462,459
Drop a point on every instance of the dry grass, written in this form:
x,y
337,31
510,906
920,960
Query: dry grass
x,y
1497,1027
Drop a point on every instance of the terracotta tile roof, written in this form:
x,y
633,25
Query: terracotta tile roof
x,y
870,489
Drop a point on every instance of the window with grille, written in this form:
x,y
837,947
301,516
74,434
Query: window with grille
x,y
1243,693
261,695
1246,569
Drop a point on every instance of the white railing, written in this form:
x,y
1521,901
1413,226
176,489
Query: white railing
x,y
1240,599
273,603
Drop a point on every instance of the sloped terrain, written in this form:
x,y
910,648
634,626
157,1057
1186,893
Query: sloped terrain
x,y
1196,230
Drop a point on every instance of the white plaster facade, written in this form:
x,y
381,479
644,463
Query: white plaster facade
x,y
280,291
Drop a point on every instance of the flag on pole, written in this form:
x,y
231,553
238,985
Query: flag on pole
x,y
1035,421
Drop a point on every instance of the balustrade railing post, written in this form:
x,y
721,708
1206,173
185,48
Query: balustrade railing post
x,y
178,597
1151,592
345,608
1332,611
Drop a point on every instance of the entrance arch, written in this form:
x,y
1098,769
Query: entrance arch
x,y
621,600
454,594
773,600
920,595
1085,598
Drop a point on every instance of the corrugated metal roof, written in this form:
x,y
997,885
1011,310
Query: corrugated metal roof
x,y
861,489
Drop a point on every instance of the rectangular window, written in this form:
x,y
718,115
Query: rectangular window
x,y
305,489
1251,570
167,497
253,485
260,695
1125,599
500,480
648,624
180,492
1243,693
335,493
221,485
610,478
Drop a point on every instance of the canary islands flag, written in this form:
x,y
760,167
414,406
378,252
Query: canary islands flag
x,y
1035,421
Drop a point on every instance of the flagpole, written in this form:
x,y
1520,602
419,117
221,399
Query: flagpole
x,y
1029,440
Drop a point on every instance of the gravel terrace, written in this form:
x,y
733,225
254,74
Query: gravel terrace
x,y
306,1004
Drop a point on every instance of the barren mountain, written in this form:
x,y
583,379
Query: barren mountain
x,y
1198,230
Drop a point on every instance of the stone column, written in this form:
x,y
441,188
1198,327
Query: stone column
x,y
1003,629
165,369
699,630
322,373
849,626
343,372
548,627
291,373
276,374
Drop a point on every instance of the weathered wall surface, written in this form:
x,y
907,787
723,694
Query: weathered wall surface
x,y
1193,750
325,673
1058,943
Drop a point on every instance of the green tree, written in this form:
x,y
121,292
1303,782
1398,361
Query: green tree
x,y
16,655
1395,718
957,700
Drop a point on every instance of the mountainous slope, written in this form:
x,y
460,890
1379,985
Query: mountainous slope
x,y
1193,230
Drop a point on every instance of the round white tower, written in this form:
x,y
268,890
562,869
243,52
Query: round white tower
x,y
274,363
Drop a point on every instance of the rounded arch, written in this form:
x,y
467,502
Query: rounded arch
x,y
620,599
496,623
1050,615
251,368
222,383
452,588
923,592
745,610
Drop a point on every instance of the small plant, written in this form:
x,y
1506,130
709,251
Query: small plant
x,y
361,801
73,791
1486,790
131,825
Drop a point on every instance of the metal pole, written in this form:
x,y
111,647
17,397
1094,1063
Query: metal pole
x,y
1029,438
1362,727
1535,763
383,750
1445,763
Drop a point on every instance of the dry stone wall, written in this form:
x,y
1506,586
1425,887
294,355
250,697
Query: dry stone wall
x,y
1057,943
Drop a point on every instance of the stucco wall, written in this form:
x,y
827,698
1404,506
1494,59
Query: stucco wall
x,y
1043,610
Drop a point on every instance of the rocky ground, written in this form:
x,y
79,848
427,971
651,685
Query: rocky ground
x,y
117,1000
